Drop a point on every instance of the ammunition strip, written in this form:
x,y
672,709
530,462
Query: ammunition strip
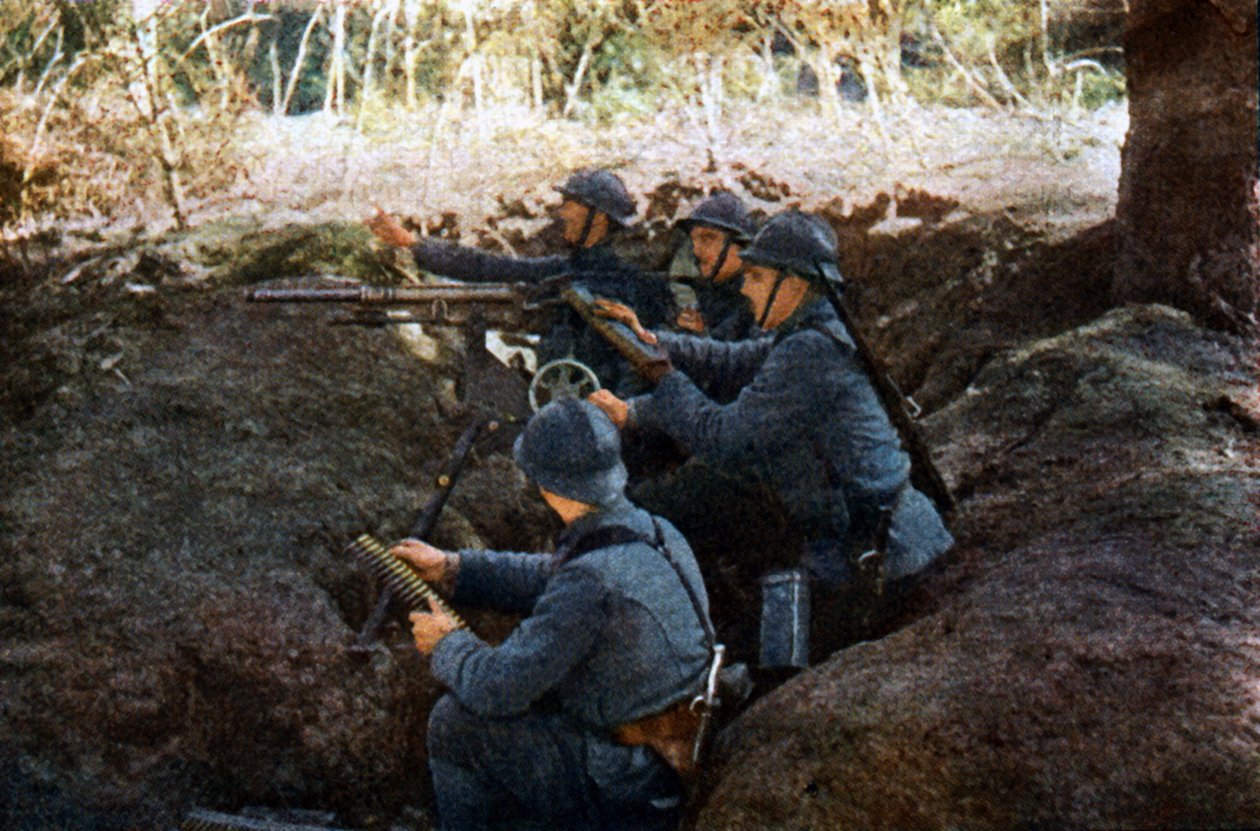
x,y
202,820
396,574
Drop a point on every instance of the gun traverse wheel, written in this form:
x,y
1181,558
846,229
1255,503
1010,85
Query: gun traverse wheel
x,y
557,380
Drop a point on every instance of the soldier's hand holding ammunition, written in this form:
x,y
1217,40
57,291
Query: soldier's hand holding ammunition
x,y
613,407
430,627
389,230
429,562
622,313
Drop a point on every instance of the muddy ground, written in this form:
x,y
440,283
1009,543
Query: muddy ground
x,y
182,471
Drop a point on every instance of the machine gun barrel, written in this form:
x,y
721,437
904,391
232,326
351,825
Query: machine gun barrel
x,y
390,295
502,305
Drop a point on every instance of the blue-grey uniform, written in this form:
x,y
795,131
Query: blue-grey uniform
x,y
611,636
598,268
807,423
725,311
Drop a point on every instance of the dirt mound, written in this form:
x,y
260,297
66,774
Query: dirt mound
x,y
182,471
1087,659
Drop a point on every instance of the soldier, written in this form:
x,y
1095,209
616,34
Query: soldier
x,y
807,423
718,228
596,204
547,727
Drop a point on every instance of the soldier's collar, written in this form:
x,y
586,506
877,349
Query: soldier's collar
x,y
803,317
601,252
601,515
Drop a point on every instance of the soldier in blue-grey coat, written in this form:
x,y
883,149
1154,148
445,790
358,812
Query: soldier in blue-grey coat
x,y
615,631
718,229
595,206
807,423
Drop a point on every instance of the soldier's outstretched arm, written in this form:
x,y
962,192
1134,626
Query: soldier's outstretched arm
x,y
502,580
504,680
471,265
788,398
733,363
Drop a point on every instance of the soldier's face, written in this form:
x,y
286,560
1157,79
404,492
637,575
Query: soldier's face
x,y
572,219
573,222
759,283
707,243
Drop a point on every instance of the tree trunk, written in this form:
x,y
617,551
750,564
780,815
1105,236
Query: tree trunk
x,y
277,82
369,60
535,78
571,90
1186,219
411,51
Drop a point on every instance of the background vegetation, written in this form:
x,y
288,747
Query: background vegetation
x,y
108,101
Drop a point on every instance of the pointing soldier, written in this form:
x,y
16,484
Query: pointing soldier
x,y
807,423
560,724
595,206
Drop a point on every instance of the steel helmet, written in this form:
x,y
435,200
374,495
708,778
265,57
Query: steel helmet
x,y
800,243
726,212
602,190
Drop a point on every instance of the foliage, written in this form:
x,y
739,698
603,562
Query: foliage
x,y
150,92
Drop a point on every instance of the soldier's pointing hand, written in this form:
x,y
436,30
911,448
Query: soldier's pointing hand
x,y
389,230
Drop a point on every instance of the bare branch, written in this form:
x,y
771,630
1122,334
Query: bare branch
x,y
300,59
248,17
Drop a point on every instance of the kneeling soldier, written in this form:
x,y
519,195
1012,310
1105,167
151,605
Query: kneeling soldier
x,y
568,723
807,423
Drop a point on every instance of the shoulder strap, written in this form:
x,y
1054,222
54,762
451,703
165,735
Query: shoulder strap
x,y
621,535
710,637
601,538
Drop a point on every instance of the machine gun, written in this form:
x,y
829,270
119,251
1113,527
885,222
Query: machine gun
x,y
508,306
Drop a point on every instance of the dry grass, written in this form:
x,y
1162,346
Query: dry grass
x,y
442,161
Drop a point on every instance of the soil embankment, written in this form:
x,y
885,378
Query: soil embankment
x,y
182,471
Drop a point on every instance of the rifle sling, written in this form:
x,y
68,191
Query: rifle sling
x,y
923,470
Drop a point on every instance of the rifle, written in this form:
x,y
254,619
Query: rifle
x,y
924,474
507,306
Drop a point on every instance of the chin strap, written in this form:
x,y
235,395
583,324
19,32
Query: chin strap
x,y
774,293
721,259
586,227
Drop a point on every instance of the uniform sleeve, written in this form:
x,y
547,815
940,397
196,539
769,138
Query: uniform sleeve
x,y
473,266
789,397
725,364
505,581
735,326
504,680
